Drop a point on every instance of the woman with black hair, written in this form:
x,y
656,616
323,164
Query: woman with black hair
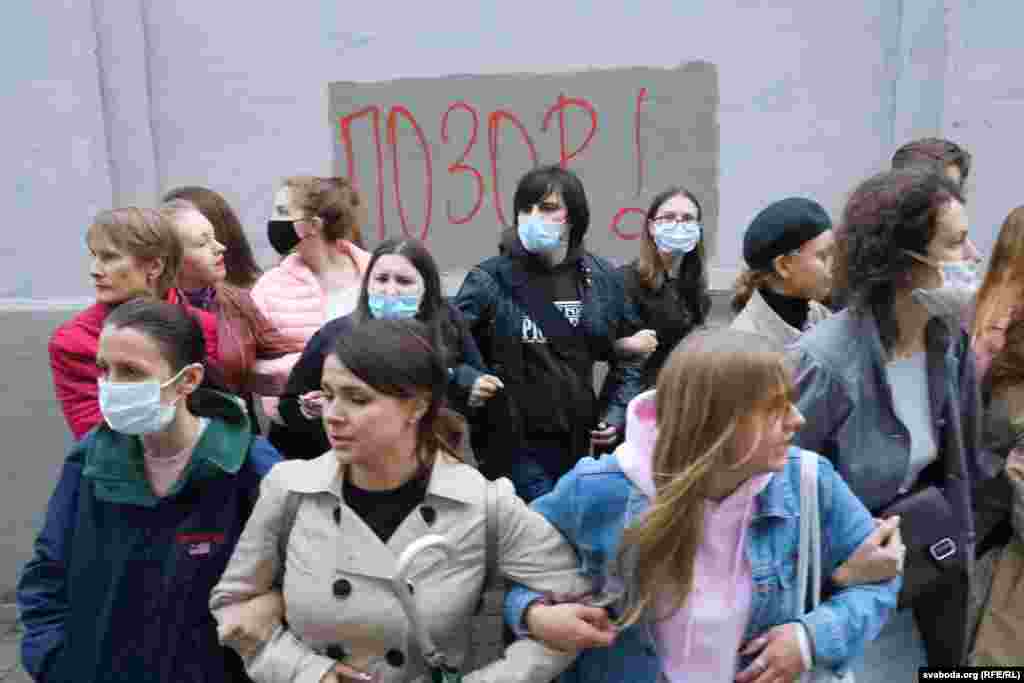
x,y
145,515
890,397
667,283
543,312
402,281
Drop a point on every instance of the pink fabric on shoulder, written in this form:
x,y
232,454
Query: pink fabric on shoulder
x,y
162,473
701,640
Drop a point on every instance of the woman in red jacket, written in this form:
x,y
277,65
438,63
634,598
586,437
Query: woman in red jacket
x,y
135,253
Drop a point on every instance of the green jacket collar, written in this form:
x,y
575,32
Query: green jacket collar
x,y
114,462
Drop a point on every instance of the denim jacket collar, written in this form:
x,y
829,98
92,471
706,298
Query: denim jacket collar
x,y
777,499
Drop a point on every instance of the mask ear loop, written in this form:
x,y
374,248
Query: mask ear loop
x,y
922,259
177,376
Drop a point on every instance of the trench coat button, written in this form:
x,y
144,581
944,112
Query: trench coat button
x,y
336,652
395,658
337,515
342,588
429,514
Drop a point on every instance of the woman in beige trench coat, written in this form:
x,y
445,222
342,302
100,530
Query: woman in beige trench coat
x,y
330,531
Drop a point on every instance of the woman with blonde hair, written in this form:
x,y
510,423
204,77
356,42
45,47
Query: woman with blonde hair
x,y
240,267
135,253
315,226
690,532
249,345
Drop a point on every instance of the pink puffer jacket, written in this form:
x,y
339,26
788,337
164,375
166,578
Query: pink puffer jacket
x,y
291,298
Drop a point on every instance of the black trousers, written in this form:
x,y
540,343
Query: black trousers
x,y
941,616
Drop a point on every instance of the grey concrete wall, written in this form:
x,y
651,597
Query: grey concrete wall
x,y
628,133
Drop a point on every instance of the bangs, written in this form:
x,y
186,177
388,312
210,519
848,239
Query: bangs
x,y
532,190
780,397
102,231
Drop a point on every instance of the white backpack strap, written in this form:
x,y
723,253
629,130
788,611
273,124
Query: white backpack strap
x,y
815,526
808,572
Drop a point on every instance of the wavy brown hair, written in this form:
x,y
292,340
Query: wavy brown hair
x,y
935,154
888,215
239,261
1004,282
714,386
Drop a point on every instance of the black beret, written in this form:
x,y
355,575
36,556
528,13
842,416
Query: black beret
x,y
783,227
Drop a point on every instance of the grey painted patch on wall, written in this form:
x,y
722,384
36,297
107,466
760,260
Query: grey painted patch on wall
x,y
427,154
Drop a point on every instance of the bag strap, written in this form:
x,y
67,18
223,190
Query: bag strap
x,y
553,324
492,577
291,507
808,571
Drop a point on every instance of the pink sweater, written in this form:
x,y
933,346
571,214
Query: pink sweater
x,y
701,641
292,299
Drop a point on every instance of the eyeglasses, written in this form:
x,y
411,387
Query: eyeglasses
x,y
665,218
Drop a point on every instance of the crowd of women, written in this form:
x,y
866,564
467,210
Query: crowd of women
x,y
836,476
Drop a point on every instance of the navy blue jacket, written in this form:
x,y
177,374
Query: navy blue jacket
x,y
549,391
119,584
302,438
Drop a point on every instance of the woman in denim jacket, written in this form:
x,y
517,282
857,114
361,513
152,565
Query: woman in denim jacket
x,y
889,389
702,501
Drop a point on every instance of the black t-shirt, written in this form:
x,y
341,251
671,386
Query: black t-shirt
x,y
384,511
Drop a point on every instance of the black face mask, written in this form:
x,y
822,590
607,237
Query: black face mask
x,y
282,236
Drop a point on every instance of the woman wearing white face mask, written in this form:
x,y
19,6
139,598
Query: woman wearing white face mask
x,y
668,283
402,281
145,516
890,397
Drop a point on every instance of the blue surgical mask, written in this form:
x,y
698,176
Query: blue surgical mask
x,y
394,306
677,237
960,274
135,407
955,274
538,235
